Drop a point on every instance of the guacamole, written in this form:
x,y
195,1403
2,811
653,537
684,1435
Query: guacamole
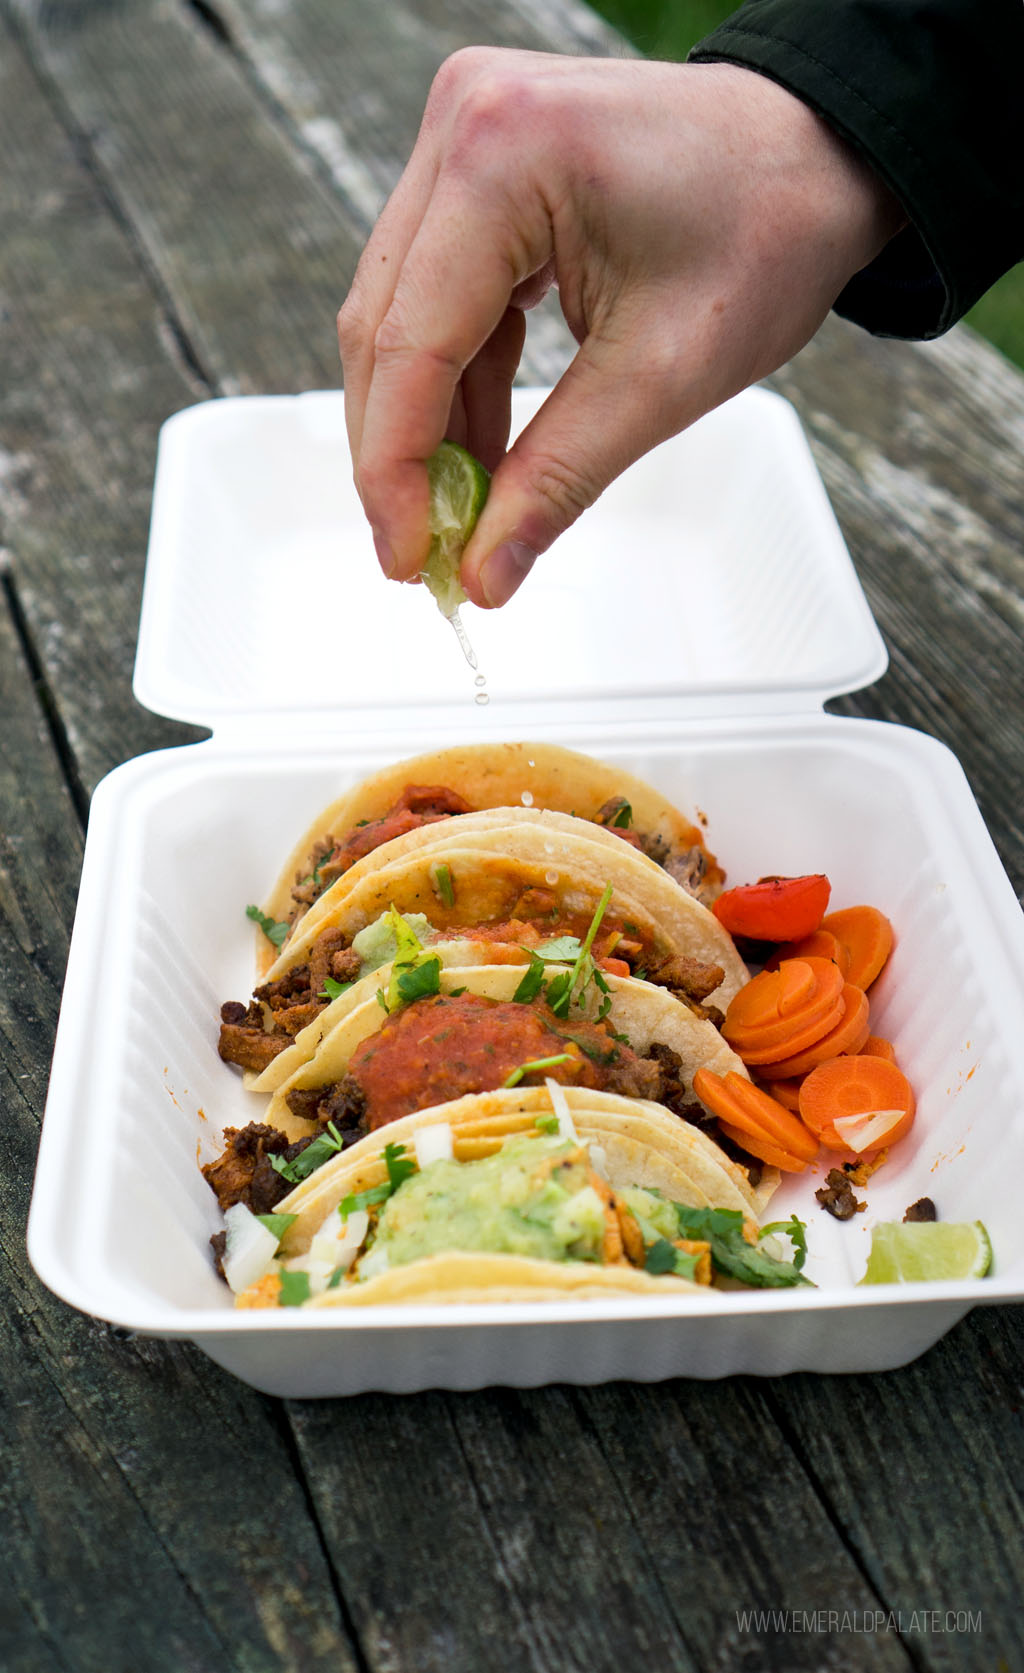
x,y
536,1196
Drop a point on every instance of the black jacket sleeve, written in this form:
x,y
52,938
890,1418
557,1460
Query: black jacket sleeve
x,y
931,92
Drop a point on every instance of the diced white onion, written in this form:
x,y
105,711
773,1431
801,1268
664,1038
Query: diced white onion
x,y
433,1143
866,1130
375,1262
318,1271
249,1250
340,1241
560,1105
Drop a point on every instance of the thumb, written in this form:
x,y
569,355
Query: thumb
x,y
598,419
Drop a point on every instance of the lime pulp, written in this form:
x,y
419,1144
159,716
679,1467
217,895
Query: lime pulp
x,y
458,490
923,1250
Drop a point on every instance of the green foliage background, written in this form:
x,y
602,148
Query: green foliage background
x,y
669,28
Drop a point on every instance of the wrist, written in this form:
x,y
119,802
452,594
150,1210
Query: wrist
x,y
823,186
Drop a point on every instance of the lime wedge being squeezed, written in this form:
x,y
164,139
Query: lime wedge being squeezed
x,y
458,489
905,1252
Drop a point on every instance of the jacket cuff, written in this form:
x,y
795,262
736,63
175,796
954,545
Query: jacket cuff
x,y
928,91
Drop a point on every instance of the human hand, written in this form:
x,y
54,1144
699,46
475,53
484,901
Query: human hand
x,y
699,222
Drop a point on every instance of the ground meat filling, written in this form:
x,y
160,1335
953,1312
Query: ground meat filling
x,y
836,1196
343,1104
923,1209
252,1035
419,804
691,981
688,867
243,1172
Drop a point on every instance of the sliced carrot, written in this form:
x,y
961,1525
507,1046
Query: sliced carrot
x,y
763,1150
821,944
863,1103
784,1007
742,1104
785,1092
876,1046
848,1035
774,909
866,934
615,966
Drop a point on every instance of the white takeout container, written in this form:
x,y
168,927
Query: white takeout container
x,y
689,628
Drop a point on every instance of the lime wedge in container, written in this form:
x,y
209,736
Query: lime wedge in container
x,y
907,1252
458,490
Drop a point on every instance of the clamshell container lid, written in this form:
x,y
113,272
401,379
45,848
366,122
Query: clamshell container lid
x,y
714,580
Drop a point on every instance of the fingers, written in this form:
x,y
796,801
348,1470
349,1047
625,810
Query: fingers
x,y
450,301
374,284
598,419
486,390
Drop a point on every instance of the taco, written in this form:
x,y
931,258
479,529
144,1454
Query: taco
x,y
516,879
446,784
467,1029
529,1194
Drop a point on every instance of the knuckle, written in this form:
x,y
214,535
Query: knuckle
x,y
459,70
352,324
564,486
396,343
496,109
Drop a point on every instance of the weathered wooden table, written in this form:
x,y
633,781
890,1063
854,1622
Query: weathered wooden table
x,y
184,191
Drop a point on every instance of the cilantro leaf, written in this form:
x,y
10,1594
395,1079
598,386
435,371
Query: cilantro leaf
x,y
558,993
277,1223
317,877
365,1199
624,818
332,989
417,982
796,1231
295,1289
399,1165
325,1145
561,948
730,1251
531,983
275,929
663,1257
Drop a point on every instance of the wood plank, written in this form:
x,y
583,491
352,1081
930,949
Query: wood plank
x,y
90,371
593,1528
148,1503
353,81
249,248
922,1467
